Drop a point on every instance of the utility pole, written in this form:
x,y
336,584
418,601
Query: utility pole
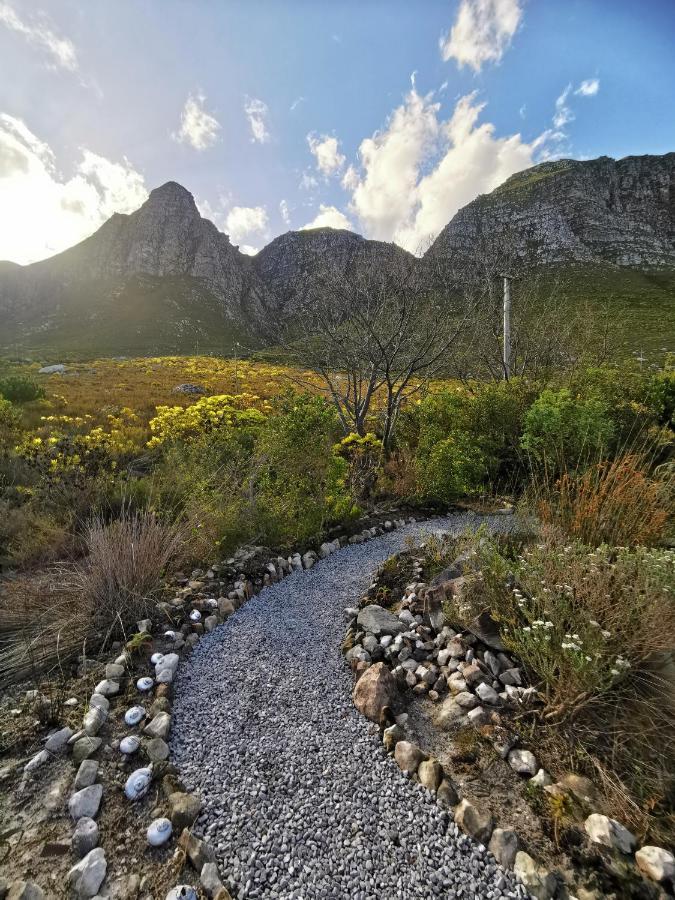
x,y
507,326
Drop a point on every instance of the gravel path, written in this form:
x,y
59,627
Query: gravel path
x,y
300,800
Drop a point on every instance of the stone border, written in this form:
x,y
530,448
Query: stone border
x,y
409,651
193,612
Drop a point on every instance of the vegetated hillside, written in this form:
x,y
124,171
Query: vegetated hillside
x,y
165,280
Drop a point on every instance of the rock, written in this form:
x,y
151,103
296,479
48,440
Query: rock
x,y
225,607
86,877
86,802
184,809
408,756
134,715
430,774
541,779
523,762
159,726
504,846
157,750
488,694
378,621
107,687
308,559
114,671
85,837
478,716
58,740
391,736
210,879
374,690
511,677
199,852
130,744
656,863
582,788
182,892
466,700
25,890
539,882
93,720
38,760
188,388
84,748
159,831
609,833
474,675
210,622
473,821
450,714
55,369
86,774
446,795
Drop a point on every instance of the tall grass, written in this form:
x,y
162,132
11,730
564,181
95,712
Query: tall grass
x,y
88,602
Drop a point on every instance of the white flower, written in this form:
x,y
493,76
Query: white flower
x,y
594,623
527,628
606,634
614,671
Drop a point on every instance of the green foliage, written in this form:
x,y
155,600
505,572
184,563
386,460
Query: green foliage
x,y
9,424
449,468
363,455
20,389
299,483
563,430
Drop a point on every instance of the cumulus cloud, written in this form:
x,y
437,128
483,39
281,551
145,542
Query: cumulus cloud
x,y
329,217
326,151
198,128
482,32
256,113
589,87
419,170
285,212
243,221
38,32
44,213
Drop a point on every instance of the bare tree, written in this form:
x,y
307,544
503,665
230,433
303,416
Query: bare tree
x,y
376,333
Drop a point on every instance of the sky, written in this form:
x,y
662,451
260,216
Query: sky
x,y
382,116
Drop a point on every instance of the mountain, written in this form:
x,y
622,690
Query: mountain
x,y
291,262
600,211
166,280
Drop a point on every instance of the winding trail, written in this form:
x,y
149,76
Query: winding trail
x,y
300,800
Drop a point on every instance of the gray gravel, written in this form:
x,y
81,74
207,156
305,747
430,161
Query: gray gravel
x,y
300,800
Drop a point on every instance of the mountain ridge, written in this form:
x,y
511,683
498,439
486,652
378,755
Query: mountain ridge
x,y
174,281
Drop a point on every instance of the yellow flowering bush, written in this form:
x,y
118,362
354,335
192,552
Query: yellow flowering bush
x,y
174,423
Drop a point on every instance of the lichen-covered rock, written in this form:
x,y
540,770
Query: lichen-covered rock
x,y
523,762
374,690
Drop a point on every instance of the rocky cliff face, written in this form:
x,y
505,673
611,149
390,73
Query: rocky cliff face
x,y
620,212
293,262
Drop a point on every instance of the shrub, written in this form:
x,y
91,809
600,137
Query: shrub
x,y
173,423
561,431
363,456
20,389
9,425
614,502
449,469
299,484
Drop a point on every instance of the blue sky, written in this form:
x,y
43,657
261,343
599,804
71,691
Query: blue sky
x,y
384,117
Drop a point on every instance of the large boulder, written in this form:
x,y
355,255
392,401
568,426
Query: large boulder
x,y
374,690
378,621
609,833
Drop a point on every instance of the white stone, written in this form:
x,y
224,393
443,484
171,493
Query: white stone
x,y
86,877
134,715
541,779
656,863
130,744
86,802
609,833
159,832
107,687
58,740
138,783
145,684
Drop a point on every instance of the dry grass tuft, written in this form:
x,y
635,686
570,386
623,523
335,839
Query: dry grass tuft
x,y
81,606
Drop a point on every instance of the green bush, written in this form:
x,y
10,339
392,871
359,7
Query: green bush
x,y
449,468
299,484
20,389
562,430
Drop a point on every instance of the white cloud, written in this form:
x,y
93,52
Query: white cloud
x,y
198,128
350,179
242,221
296,103
43,213
482,32
329,217
418,171
38,32
285,212
256,112
326,151
249,250
589,87
308,182
563,114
